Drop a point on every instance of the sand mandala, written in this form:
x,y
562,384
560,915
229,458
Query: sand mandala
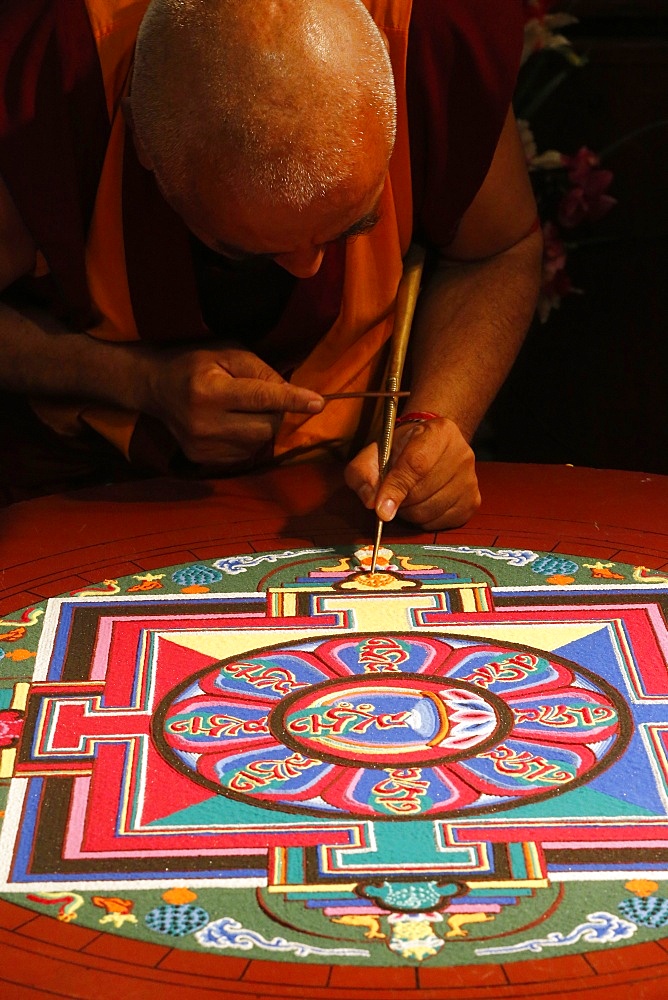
x,y
460,758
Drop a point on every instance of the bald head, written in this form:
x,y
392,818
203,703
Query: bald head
x,y
280,101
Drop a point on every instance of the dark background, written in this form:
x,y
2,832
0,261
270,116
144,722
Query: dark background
x,y
591,385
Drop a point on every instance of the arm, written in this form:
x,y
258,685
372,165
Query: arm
x,y
221,403
470,324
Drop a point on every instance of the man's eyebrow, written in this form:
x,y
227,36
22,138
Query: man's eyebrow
x,y
363,225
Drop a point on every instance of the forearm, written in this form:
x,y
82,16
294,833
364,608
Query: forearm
x,y
42,358
221,403
468,329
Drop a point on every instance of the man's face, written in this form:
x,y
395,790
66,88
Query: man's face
x,y
294,239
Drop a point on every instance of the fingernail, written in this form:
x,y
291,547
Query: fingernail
x,y
315,405
387,510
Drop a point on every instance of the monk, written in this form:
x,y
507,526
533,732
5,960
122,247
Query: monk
x,y
226,229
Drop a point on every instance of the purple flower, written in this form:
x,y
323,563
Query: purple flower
x,y
586,200
555,283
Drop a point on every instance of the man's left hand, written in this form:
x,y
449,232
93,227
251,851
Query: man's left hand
x,y
431,479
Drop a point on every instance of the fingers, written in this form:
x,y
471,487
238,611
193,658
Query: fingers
x,y
257,387
450,507
245,395
224,405
431,481
240,363
362,473
241,416
411,466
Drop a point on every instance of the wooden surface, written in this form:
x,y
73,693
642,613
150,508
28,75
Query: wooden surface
x,y
58,544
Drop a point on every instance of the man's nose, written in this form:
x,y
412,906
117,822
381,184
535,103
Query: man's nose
x,y
302,263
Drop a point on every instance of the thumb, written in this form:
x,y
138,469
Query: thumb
x,y
408,466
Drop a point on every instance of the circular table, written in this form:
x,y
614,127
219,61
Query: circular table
x,y
60,544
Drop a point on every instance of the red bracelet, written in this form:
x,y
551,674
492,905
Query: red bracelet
x,y
416,417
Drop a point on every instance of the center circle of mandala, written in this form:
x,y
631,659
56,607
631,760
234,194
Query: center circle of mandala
x,y
391,726
389,720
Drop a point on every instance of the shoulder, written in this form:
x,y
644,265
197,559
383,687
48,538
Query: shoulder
x,y
462,63
54,127
481,38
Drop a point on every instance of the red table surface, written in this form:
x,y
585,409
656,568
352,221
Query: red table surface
x,y
57,544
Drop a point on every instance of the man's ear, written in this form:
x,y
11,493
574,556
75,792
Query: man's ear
x,y
142,155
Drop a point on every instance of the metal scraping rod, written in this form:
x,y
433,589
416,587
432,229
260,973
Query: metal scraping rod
x,y
407,296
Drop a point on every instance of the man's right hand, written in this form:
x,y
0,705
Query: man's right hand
x,y
221,403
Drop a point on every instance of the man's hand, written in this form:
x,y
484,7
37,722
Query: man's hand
x,y
430,481
222,404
